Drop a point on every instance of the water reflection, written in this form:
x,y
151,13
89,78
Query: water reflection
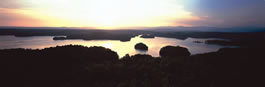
x,y
122,48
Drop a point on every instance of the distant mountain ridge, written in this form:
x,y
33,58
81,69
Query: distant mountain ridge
x,y
211,29
163,28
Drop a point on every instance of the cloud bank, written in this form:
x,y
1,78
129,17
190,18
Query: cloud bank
x,y
132,13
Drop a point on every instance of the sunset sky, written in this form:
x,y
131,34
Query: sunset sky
x,y
108,14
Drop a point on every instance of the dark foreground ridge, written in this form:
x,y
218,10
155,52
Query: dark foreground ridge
x,y
78,66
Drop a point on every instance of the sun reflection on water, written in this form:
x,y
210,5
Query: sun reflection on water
x,y
107,45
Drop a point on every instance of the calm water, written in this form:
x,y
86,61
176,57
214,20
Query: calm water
x,y
122,48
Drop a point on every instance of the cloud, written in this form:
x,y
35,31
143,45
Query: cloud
x,y
11,3
229,13
9,17
137,13
97,13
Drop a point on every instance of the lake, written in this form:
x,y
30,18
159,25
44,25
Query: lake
x,y
122,48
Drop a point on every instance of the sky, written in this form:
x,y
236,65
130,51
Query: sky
x,y
112,14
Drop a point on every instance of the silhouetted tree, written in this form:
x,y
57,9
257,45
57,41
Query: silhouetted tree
x,y
78,66
174,51
141,46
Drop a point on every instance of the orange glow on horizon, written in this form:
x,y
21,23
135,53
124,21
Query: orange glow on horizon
x,y
102,14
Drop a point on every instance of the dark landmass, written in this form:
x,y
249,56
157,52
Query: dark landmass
x,y
141,46
59,38
197,41
245,39
235,38
208,29
78,66
242,42
221,35
122,35
147,36
174,51
223,42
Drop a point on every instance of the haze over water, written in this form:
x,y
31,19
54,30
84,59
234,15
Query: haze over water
x,y
122,48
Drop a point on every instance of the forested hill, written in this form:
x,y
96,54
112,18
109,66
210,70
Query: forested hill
x,y
78,66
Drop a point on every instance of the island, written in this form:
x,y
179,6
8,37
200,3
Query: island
x,y
141,46
197,41
174,51
147,36
59,38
